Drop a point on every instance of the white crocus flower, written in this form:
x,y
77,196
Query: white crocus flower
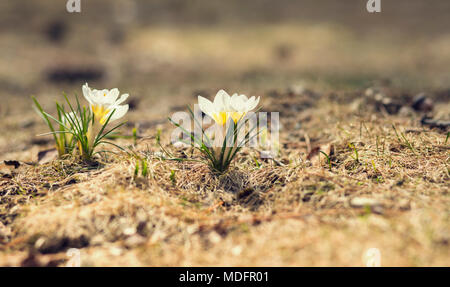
x,y
222,109
225,107
104,102
242,105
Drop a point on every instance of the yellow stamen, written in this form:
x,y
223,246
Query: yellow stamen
x,y
100,113
220,118
236,116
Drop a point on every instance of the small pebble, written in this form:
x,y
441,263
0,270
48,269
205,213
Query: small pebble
x,y
134,241
360,202
422,103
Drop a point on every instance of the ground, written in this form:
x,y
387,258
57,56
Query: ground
x,y
362,100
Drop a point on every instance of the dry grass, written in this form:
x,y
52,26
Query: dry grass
x,y
289,212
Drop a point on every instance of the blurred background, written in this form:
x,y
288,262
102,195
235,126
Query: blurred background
x,y
159,49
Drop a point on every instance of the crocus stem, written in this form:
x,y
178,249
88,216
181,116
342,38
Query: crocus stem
x,y
92,132
218,139
221,153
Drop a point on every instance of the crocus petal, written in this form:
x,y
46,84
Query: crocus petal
x,y
122,99
102,97
222,101
119,112
234,97
235,102
218,98
206,106
87,93
226,102
112,96
243,98
239,103
253,104
249,104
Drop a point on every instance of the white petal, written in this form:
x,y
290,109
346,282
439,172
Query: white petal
x,y
112,96
206,106
220,94
119,112
122,99
101,96
249,103
235,102
87,93
221,101
253,104
240,103
243,97
218,98
226,102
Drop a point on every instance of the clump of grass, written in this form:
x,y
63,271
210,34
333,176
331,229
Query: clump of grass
x,y
258,165
81,127
355,152
403,140
219,159
328,158
172,177
144,168
64,144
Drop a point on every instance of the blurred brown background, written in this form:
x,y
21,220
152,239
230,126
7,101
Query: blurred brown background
x,y
156,49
